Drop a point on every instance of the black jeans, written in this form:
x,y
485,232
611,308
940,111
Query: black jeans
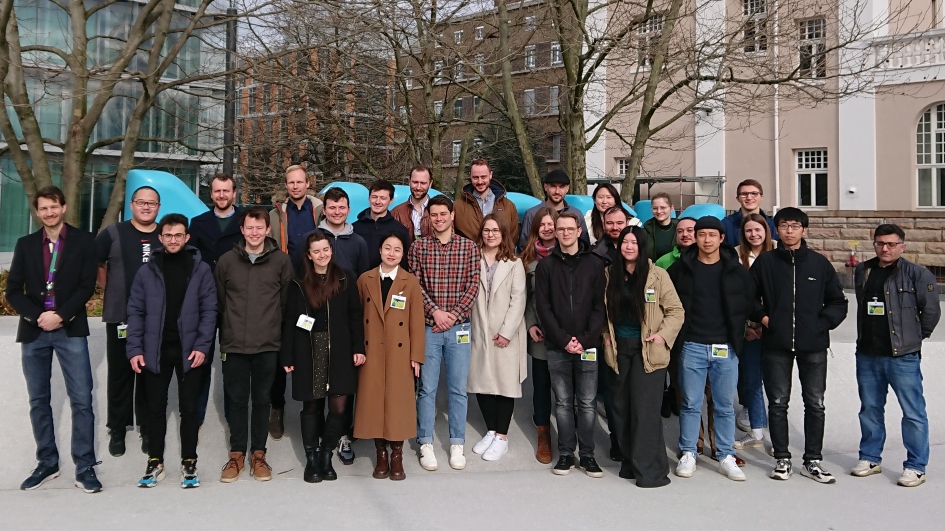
x,y
575,383
778,368
245,377
126,399
497,411
604,392
189,385
541,392
277,390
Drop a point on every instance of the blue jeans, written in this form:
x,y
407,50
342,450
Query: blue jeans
x,y
695,364
73,354
442,348
752,390
574,381
874,376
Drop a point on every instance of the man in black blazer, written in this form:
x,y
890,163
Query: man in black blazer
x,y
51,279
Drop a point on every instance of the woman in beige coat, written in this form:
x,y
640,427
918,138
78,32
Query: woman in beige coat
x,y
498,362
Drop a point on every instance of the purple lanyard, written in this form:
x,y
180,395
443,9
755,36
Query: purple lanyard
x,y
52,265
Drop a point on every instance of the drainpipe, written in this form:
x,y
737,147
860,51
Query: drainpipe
x,y
777,119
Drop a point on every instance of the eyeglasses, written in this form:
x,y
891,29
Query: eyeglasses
x,y
491,231
566,230
791,226
173,237
749,194
886,245
145,204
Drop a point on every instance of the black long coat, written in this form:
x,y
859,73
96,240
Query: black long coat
x,y
346,338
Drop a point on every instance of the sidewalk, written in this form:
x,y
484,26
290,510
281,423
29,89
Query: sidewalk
x,y
515,492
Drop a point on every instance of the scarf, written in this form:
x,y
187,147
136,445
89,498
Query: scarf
x,y
541,250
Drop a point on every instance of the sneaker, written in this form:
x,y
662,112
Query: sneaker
x,y
276,425
782,470
729,469
152,474
742,421
457,459
345,452
427,458
590,467
116,443
188,473
483,445
565,464
259,468
233,468
748,441
814,471
41,474
87,481
865,468
911,478
496,450
687,465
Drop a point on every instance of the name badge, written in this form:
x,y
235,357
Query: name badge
x,y
589,355
650,295
720,351
398,302
305,323
122,331
875,308
462,337
223,356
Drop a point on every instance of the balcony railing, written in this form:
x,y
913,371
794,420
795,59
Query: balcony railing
x,y
911,50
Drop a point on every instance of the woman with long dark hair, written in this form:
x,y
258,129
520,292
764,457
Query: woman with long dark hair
x,y
644,317
322,346
604,196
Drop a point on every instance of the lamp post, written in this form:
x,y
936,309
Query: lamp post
x,y
229,110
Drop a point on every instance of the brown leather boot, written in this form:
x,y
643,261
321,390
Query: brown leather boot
x,y
381,469
544,444
397,461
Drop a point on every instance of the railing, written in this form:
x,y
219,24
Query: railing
x,y
910,50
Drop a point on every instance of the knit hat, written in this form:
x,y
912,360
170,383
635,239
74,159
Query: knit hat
x,y
710,222
556,177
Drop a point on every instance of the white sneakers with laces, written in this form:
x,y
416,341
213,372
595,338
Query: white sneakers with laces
x,y
911,478
865,468
480,447
497,449
457,459
729,469
687,465
427,459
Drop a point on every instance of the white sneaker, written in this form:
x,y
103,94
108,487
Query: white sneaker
x,y
427,459
457,459
911,478
748,441
742,421
687,465
497,449
729,469
865,468
483,445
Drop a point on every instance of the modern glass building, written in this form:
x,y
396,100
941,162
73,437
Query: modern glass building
x,y
181,134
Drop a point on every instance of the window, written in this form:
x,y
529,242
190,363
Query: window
x,y
556,53
623,166
438,71
480,64
458,108
403,113
458,37
648,37
479,33
437,108
476,104
408,78
266,103
459,71
530,23
251,101
528,101
530,57
812,178
813,48
555,147
553,99
756,30
457,150
930,156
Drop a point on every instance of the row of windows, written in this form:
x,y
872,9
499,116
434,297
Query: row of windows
x,y
535,101
553,154
479,32
459,70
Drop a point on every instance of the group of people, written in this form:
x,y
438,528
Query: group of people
x,y
650,319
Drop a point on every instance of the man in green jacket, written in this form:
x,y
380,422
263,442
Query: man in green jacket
x,y
685,236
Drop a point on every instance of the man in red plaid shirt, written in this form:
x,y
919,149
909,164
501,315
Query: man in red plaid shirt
x,y
447,266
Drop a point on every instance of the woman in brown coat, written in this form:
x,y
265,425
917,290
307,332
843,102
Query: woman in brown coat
x,y
394,343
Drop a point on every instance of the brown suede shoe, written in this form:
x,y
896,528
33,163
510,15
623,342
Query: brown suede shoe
x,y
544,445
259,468
233,468
397,461
381,470
276,426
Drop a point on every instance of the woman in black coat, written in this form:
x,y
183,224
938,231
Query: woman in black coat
x,y
322,346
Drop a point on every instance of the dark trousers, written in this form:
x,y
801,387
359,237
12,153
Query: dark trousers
x,y
207,384
575,384
605,393
638,397
189,385
126,399
541,392
778,368
277,391
245,377
497,411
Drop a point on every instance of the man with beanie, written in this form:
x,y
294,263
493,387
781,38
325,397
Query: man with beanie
x,y
718,296
556,184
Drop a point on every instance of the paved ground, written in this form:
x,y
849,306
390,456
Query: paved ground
x,y
516,492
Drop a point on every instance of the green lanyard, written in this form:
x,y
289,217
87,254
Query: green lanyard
x,y
52,266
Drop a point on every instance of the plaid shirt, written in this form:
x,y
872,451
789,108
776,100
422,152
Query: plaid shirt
x,y
448,275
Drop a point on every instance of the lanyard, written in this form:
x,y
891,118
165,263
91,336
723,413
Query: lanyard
x,y
52,265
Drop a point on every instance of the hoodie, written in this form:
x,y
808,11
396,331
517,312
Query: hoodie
x,y
349,250
375,230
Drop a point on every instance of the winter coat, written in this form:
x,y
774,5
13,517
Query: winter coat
x,y
373,231
536,349
501,310
349,250
205,235
665,317
279,221
251,298
801,296
571,301
336,374
912,305
467,215
733,227
650,228
386,405
402,213
197,323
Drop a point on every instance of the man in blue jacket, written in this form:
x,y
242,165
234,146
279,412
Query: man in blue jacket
x,y
172,316
749,195
376,223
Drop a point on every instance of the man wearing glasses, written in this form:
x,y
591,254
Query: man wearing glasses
x,y
897,307
749,195
122,249
801,301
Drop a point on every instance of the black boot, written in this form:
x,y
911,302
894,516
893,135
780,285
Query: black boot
x,y
311,474
310,428
324,465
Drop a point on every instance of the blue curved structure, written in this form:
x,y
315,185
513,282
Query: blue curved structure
x,y
522,202
702,210
176,196
357,194
645,211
